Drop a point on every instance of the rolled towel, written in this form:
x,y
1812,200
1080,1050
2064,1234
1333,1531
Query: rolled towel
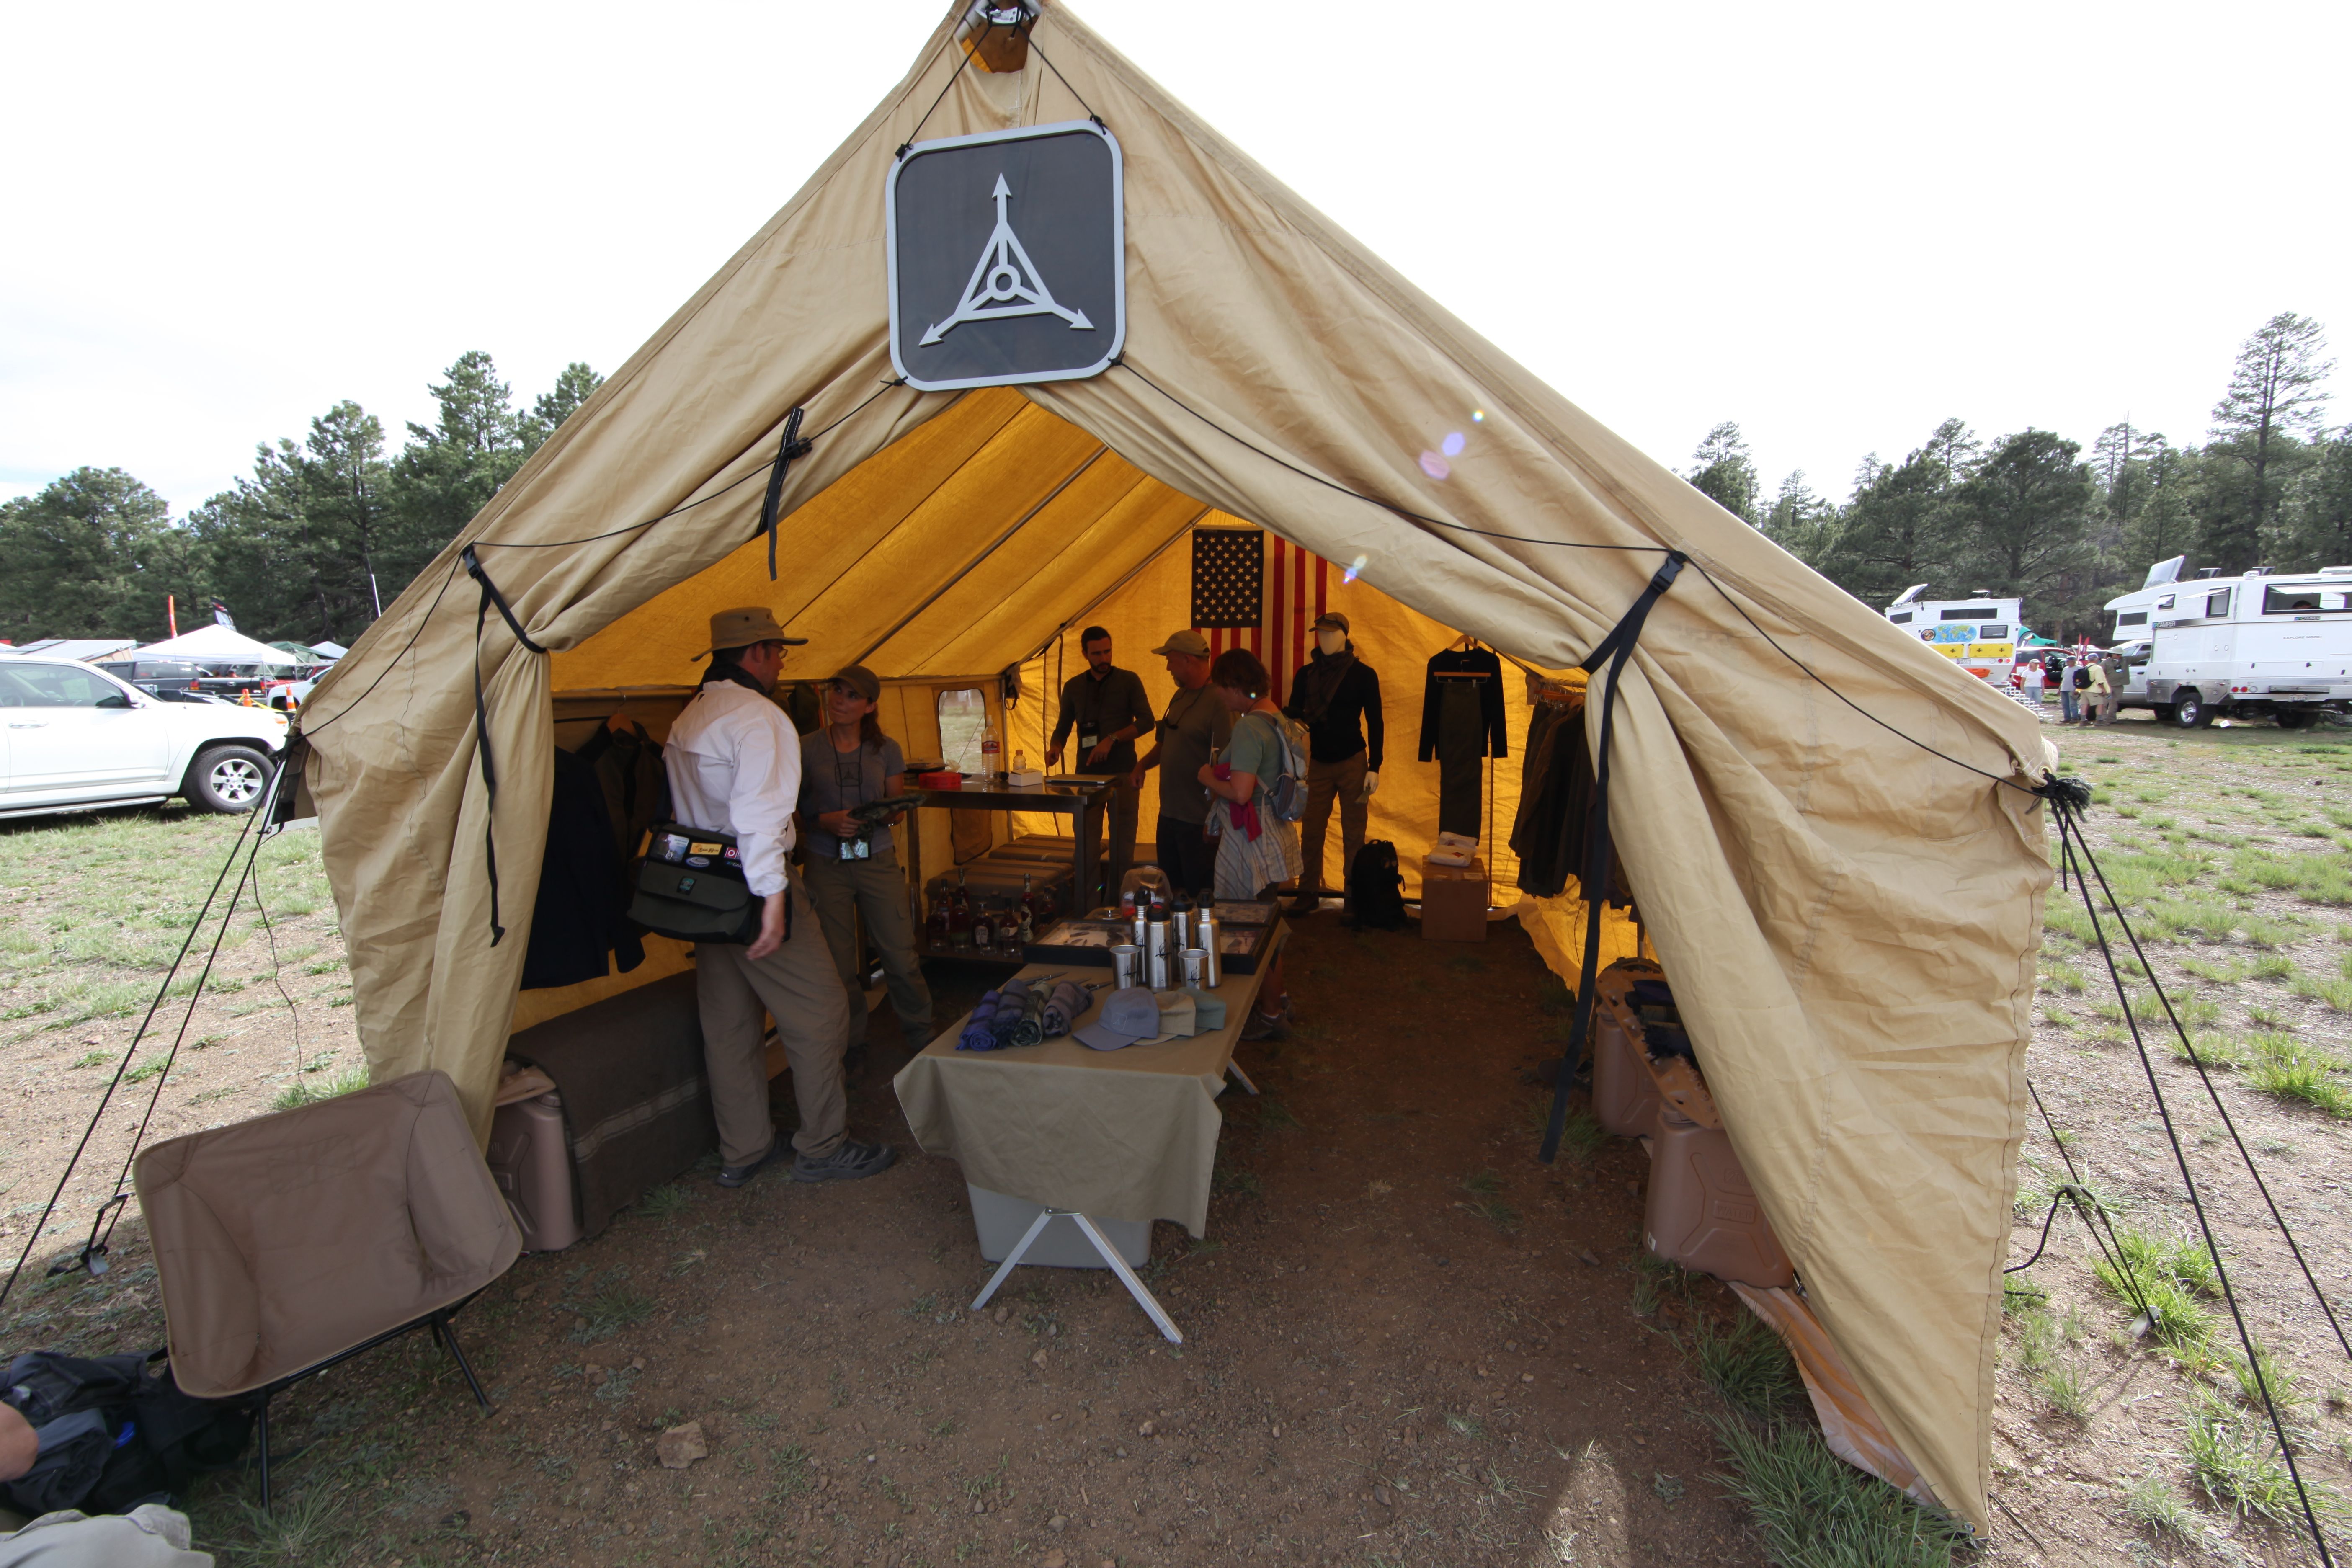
x,y
1014,997
1065,1007
1032,1026
980,1029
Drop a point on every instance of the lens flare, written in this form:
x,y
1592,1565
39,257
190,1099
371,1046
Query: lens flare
x,y
1435,466
1477,417
1453,444
1355,569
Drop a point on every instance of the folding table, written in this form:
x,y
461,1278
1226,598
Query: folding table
x,y
1124,1135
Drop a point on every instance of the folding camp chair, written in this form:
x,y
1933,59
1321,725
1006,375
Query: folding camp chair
x,y
295,1241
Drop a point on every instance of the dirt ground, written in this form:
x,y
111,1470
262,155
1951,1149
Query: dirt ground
x,y
1406,1340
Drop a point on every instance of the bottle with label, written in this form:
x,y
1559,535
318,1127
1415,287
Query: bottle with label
x,y
983,931
959,916
942,923
992,751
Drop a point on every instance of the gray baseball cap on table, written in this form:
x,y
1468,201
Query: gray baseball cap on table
x,y
1135,1014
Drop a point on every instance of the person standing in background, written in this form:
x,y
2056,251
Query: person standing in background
x,y
2030,677
852,870
1107,708
2098,709
1190,733
734,766
2070,695
1337,696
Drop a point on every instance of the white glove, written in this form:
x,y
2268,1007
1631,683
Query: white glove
x,y
1372,782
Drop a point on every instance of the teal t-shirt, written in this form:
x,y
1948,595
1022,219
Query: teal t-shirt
x,y
1256,748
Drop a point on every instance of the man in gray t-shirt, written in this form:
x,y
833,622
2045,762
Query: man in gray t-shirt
x,y
1192,731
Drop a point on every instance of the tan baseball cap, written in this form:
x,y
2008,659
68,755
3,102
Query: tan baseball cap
x,y
741,628
1332,618
1186,641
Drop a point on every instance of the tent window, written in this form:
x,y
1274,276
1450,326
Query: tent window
x,y
964,724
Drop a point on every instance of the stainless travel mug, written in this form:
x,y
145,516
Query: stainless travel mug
x,y
1180,917
1157,956
1159,961
1213,963
1123,961
1194,959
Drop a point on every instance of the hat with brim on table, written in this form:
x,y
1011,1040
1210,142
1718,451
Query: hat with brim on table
x,y
1135,1014
741,628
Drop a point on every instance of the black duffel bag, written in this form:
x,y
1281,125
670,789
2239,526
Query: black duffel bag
x,y
114,1433
690,886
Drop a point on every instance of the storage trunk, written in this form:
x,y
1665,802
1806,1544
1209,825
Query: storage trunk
x,y
1624,1094
1454,901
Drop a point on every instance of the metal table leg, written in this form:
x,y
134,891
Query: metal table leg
x,y
1127,1277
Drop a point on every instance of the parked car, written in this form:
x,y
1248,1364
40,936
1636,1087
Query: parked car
x,y
74,738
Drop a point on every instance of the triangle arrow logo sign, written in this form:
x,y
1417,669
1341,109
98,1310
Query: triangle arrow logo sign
x,y
1005,283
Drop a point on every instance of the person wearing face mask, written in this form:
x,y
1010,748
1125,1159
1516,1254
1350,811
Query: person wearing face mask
x,y
852,870
1337,696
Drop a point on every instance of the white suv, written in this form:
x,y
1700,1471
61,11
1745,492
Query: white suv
x,y
73,738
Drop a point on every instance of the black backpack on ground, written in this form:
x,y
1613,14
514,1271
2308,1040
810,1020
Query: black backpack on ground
x,y
1375,887
113,1433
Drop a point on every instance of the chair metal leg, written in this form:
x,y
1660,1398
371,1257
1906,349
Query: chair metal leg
x,y
261,1423
447,1335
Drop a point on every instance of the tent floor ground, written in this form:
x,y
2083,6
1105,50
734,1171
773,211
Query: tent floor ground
x,y
1373,1368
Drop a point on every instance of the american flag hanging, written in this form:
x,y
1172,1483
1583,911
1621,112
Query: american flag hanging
x,y
1288,587
1228,568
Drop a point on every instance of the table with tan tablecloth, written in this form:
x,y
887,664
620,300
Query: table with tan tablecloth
x,y
1129,1134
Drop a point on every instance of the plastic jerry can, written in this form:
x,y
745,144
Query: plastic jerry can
x,y
1624,1093
1624,1096
1701,1212
532,1162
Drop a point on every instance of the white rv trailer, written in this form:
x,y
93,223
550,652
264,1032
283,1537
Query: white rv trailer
x,y
2261,645
2132,633
1978,634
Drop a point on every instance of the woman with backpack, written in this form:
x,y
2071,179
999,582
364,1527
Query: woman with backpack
x,y
1258,789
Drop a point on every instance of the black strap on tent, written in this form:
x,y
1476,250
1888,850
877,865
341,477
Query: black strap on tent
x,y
491,595
1617,647
790,447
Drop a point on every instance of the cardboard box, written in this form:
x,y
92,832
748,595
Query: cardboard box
x,y
1454,901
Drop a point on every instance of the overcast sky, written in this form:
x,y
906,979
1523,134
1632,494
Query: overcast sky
x,y
1836,226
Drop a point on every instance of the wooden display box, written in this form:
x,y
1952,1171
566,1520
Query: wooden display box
x,y
1454,901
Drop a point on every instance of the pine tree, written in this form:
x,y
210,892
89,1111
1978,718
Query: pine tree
x,y
573,387
92,554
2274,395
451,468
1726,474
2025,517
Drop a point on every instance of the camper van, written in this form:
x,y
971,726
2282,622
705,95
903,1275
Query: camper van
x,y
2260,644
1978,634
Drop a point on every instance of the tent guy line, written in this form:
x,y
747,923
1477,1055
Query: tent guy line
x,y
2064,804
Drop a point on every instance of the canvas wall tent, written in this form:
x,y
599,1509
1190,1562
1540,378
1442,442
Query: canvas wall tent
x,y
1865,1037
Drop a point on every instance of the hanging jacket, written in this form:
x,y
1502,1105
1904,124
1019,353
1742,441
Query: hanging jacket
x,y
581,915
1478,661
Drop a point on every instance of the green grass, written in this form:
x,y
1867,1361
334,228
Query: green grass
x,y
608,1311
1815,1510
1748,1365
2290,1068
298,1093
2153,1506
2235,1458
2170,1274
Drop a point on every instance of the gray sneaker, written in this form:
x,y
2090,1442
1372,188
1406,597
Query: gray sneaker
x,y
850,1163
736,1175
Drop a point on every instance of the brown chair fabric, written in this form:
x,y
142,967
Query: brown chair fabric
x,y
286,1240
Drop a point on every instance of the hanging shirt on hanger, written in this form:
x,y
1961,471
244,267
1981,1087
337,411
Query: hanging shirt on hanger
x,y
1445,667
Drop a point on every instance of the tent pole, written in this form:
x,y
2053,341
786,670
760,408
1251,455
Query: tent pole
x,y
909,618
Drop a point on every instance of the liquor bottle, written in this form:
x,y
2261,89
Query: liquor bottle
x,y
1028,916
942,923
959,916
983,931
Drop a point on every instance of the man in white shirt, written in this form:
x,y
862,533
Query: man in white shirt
x,y
734,763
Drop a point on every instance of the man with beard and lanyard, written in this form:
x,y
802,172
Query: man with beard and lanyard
x,y
1108,707
1337,696
734,765
1193,729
